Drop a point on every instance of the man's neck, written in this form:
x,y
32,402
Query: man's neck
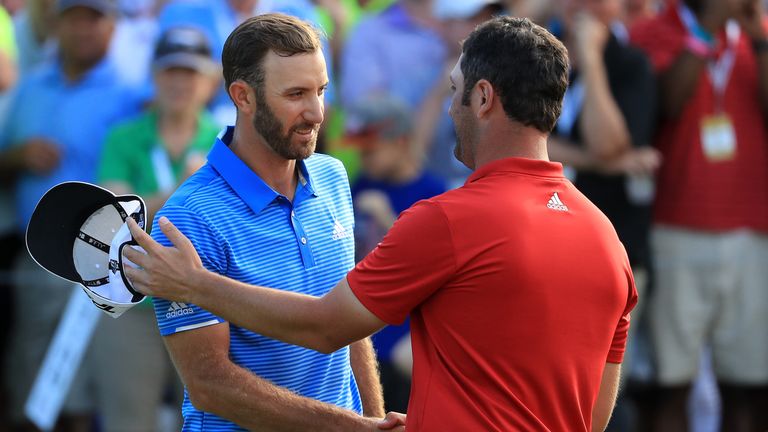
x,y
277,172
74,70
511,140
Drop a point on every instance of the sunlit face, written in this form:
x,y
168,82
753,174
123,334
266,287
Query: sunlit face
x,y
463,120
84,34
181,89
290,109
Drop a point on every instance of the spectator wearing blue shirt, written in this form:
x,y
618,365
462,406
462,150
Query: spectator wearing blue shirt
x,y
265,210
397,52
217,18
392,180
53,131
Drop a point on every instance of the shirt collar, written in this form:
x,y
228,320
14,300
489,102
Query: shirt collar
x,y
246,183
535,167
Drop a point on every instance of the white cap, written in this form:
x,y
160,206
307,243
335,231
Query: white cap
x,y
78,231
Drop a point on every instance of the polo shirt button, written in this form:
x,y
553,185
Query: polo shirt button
x,y
303,240
293,214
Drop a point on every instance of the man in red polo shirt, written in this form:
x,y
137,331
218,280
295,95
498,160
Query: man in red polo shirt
x,y
710,235
518,288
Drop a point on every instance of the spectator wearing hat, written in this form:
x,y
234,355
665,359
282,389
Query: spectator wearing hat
x,y
149,156
53,132
391,181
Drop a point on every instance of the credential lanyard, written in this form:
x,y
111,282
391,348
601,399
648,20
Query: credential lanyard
x,y
720,69
163,170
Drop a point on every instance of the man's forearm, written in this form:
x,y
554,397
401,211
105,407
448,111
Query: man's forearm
x,y
365,367
282,315
679,82
602,124
254,403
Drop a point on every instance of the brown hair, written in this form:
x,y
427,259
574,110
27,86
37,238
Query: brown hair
x,y
249,43
525,64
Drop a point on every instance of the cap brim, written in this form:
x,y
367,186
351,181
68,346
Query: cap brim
x,y
56,221
185,60
99,6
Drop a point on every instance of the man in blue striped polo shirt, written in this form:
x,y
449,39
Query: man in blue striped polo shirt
x,y
265,211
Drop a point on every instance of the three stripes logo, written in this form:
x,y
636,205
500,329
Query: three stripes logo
x,y
339,232
177,309
555,203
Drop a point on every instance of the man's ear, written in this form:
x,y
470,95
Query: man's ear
x,y
243,96
484,97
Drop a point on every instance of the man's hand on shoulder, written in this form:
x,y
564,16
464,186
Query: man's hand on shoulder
x,y
165,272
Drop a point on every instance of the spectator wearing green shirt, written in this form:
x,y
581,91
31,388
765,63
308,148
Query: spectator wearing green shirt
x,y
153,153
150,156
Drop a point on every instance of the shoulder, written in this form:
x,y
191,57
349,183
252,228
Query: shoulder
x,y
326,169
200,192
132,131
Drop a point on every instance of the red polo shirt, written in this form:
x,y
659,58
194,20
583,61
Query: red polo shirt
x,y
692,191
517,296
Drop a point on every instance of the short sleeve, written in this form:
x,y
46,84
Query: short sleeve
x,y
413,261
619,342
175,317
114,165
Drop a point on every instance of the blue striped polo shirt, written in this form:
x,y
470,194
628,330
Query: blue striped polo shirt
x,y
243,229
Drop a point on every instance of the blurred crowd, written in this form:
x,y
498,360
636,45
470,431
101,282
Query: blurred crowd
x,y
664,127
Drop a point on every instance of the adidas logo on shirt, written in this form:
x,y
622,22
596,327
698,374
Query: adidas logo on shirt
x,y
339,232
555,203
177,309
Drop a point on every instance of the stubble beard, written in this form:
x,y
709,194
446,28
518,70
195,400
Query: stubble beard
x,y
271,129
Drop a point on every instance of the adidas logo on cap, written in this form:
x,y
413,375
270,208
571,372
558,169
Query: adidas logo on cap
x,y
555,203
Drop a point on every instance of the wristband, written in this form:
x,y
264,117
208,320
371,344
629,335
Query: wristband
x,y
699,48
760,45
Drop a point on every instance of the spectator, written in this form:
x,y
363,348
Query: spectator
x,y
397,52
149,156
392,180
710,235
53,131
606,128
8,71
136,32
34,34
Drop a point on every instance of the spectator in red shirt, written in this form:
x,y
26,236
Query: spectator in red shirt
x,y
518,288
710,235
